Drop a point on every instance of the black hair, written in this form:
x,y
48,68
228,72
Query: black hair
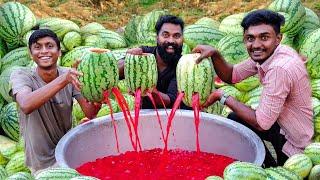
x,y
41,33
263,16
169,19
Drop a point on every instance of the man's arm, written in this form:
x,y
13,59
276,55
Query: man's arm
x,y
222,68
244,112
90,109
29,100
135,51
165,98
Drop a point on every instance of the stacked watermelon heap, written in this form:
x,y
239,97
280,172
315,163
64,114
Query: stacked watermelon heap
x,y
301,31
297,167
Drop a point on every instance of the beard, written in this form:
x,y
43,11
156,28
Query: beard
x,y
169,58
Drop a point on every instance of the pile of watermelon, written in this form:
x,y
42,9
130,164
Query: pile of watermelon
x,y
301,32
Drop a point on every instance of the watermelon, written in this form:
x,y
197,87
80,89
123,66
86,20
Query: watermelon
x,y
315,85
244,171
3,102
279,173
26,37
91,29
232,24
3,173
112,39
316,106
120,54
185,49
232,91
3,48
105,110
194,78
314,173
316,138
253,97
313,152
7,146
233,49
59,26
199,34
214,178
5,83
141,71
71,40
10,121
69,58
15,20
287,40
16,164
77,113
84,178
57,174
248,84
311,23
122,86
130,31
215,108
294,14
3,160
146,32
206,21
100,73
311,50
21,144
94,41
300,164
17,57
226,111
20,176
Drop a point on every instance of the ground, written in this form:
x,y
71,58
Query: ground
x,y
114,14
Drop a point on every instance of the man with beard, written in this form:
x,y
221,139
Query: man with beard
x,y
284,114
168,51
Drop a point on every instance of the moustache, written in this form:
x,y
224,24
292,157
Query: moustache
x,y
174,45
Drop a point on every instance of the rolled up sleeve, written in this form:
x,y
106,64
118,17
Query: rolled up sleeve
x,y
243,70
277,85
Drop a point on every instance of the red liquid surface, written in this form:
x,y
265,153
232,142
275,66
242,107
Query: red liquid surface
x,y
175,164
155,163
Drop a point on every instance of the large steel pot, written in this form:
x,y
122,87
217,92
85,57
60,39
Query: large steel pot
x,y
95,139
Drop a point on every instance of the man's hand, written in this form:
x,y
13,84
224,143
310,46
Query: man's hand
x,y
213,97
72,76
135,51
206,51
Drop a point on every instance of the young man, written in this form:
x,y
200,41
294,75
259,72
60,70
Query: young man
x,y
284,114
45,98
167,52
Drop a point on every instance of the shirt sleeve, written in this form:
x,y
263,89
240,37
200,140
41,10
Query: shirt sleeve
x,y
243,70
19,80
147,49
276,88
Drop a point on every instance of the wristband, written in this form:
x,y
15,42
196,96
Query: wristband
x,y
223,98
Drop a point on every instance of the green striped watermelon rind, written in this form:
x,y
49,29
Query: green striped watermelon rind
x,y
141,71
57,174
194,78
300,164
100,73
244,171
